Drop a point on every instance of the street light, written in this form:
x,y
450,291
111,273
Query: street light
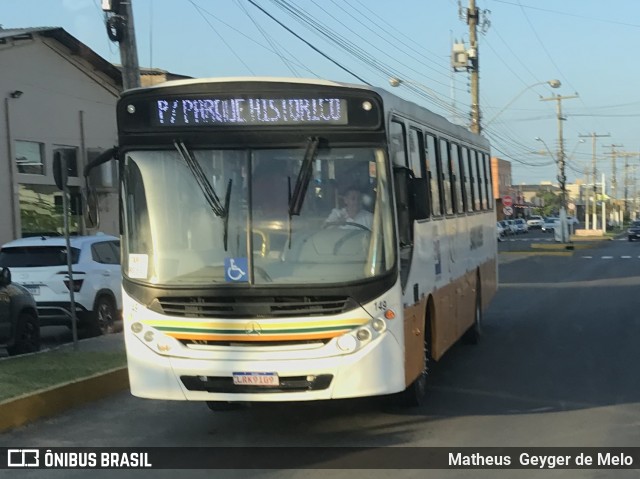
x,y
552,83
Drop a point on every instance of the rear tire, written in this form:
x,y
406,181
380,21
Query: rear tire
x,y
27,335
101,320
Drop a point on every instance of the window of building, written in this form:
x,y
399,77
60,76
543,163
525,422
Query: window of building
x,y
29,157
41,210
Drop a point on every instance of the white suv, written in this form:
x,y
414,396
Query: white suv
x,y
40,265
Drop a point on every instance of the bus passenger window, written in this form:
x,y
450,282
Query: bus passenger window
x,y
456,178
443,166
397,146
465,175
431,155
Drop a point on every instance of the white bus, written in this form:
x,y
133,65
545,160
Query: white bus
x,y
293,240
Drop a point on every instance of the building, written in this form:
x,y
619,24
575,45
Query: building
x,y
501,174
59,97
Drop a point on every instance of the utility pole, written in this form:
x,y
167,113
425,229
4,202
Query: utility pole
x,y
562,178
120,29
614,178
626,155
594,172
472,21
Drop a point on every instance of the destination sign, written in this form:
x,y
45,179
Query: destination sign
x,y
249,111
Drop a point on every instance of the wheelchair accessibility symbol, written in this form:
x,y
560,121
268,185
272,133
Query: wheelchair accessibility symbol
x,y
235,270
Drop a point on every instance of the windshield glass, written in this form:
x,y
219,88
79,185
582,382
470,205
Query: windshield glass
x,y
174,235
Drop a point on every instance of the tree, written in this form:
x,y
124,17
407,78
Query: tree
x,y
551,203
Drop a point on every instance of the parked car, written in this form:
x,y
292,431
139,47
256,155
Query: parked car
x,y
19,325
634,231
550,224
572,221
499,231
535,221
40,265
521,226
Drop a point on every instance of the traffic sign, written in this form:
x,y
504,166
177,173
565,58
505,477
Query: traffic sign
x,y
507,210
507,200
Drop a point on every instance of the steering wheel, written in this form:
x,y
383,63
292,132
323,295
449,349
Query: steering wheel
x,y
347,223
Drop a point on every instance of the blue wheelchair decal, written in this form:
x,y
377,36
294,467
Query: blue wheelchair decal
x,y
235,270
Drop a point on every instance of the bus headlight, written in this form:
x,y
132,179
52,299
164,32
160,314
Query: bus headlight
x,y
378,325
136,327
148,336
347,343
363,334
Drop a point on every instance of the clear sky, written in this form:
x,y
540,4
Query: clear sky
x,y
589,45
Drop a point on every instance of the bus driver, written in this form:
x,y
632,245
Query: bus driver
x,y
352,212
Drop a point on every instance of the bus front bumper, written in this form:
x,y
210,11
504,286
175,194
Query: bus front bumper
x,y
377,368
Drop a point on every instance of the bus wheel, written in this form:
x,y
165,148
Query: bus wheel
x,y
226,405
472,336
416,394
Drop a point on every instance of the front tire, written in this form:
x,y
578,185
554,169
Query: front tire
x,y
27,335
416,394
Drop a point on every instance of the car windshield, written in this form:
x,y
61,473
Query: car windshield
x,y
36,256
260,230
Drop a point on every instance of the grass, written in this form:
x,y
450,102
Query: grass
x,y
27,374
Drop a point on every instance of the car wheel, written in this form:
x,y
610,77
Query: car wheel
x,y
105,312
630,238
27,335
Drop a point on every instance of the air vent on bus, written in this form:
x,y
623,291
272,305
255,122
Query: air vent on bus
x,y
254,307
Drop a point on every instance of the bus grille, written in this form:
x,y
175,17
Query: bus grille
x,y
216,384
254,307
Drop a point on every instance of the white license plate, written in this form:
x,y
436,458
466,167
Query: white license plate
x,y
256,379
33,289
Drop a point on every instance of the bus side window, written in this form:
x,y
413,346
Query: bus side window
x,y
474,180
487,162
482,192
419,190
397,144
443,169
430,160
456,178
465,174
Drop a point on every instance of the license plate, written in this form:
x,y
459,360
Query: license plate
x,y
256,379
33,289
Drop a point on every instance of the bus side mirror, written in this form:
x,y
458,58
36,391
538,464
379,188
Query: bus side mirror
x,y
91,216
418,198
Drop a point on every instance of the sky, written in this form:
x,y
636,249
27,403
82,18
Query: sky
x,y
590,46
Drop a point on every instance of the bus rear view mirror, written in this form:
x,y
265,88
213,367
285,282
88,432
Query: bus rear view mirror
x,y
418,198
91,214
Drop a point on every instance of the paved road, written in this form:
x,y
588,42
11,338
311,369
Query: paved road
x,y
557,367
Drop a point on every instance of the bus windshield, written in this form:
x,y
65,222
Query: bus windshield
x,y
340,230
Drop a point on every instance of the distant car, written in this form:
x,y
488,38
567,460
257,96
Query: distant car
x,y
506,227
521,226
550,224
499,231
634,231
572,221
19,325
535,221
40,265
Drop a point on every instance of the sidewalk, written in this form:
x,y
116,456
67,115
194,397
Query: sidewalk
x,y
56,399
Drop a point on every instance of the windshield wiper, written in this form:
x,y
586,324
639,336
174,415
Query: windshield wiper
x,y
304,177
206,187
302,181
201,178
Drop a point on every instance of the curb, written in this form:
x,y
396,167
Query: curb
x,y
539,253
51,401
